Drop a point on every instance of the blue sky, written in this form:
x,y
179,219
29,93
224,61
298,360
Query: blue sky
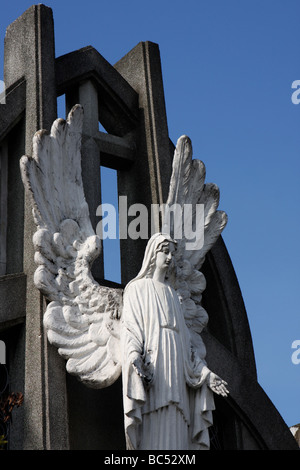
x,y
228,67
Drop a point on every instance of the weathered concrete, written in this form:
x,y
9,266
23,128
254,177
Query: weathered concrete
x,y
116,97
29,54
12,307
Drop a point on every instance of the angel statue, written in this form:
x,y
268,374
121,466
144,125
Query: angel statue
x,y
151,332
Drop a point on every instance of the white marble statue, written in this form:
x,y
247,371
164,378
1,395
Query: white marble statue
x,y
167,387
151,332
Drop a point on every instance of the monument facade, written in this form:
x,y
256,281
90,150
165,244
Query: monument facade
x,y
60,412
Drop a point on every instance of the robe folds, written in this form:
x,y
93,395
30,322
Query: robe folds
x,y
174,411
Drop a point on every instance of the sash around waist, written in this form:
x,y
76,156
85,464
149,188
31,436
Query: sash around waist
x,y
170,327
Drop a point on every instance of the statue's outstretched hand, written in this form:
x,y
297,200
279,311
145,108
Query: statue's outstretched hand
x,y
217,385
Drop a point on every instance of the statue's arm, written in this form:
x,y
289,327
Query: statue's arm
x,y
204,375
134,337
135,357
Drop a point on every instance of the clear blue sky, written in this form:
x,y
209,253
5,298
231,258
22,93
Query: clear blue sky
x,y
228,67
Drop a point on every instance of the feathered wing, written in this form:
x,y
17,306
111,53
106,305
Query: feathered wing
x,y
82,318
187,190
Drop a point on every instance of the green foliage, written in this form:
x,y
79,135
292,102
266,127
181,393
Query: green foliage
x,y
3,442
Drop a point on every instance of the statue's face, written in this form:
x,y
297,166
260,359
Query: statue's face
x,y
164,256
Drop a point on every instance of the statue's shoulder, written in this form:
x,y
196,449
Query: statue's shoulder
x,y
140,283
137,285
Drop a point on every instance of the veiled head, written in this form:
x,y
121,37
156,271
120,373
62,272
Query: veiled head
x,y
158,253
157,243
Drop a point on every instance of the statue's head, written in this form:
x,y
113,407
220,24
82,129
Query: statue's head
x,y
158,253
158,243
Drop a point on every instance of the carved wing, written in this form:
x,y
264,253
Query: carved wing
x,y
82,318
187,189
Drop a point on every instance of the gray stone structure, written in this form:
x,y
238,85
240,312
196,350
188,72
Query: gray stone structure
x,y
128,100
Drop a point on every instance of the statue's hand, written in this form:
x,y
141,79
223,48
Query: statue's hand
x,y
142,370
217,385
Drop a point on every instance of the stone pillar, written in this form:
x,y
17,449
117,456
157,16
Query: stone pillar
x,y
29,52
86,94
90,159
3,206
148,181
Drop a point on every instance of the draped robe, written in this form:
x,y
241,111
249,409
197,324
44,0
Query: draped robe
x,y
175,410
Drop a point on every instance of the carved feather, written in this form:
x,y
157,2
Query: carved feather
x,y
187,189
